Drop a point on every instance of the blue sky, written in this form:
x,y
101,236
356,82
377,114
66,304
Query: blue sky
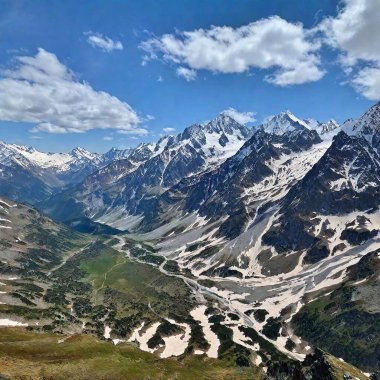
x,y
157,95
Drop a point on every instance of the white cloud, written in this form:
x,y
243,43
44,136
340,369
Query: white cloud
x,y
186,73
108,138
367,82
355,30
355,33
168,130
105,43
271,43
240,117
160,79
43,91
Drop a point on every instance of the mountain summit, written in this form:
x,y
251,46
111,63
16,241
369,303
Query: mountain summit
x,y
283,122
367,126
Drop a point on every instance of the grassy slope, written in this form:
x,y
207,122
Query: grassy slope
x,y
345,322
340,369
346,330
27,355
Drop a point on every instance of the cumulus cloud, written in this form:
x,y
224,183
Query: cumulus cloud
x,y
168,130
355,30
240,117
102,42
271,43
43,91
186,73
355,33
367,82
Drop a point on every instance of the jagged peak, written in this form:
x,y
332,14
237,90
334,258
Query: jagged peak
x,y
116,153
365,125
283,122
224,123
332,122
18,147
224,117
82,153
79,149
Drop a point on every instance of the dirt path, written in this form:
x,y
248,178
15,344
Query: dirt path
x,y
105,278
69,257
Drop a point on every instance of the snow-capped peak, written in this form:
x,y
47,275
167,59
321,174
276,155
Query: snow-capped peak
x,y
116,154
221,121
326,130
283,122
312,123
82,153
224,123
366,125
329,126
27,156
30,157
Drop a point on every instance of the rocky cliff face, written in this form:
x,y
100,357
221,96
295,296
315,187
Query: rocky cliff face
x,y
346,179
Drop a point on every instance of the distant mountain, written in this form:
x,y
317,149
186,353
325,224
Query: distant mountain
x,y
326,130
283,122
17,182
116,154
125,191
30,175
286,121
30,157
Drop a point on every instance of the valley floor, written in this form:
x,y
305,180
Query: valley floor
x,y
82,306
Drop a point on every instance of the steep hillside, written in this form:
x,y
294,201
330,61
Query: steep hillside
x,y
345,321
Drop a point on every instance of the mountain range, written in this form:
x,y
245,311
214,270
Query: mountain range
x,y
279,221
46,172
